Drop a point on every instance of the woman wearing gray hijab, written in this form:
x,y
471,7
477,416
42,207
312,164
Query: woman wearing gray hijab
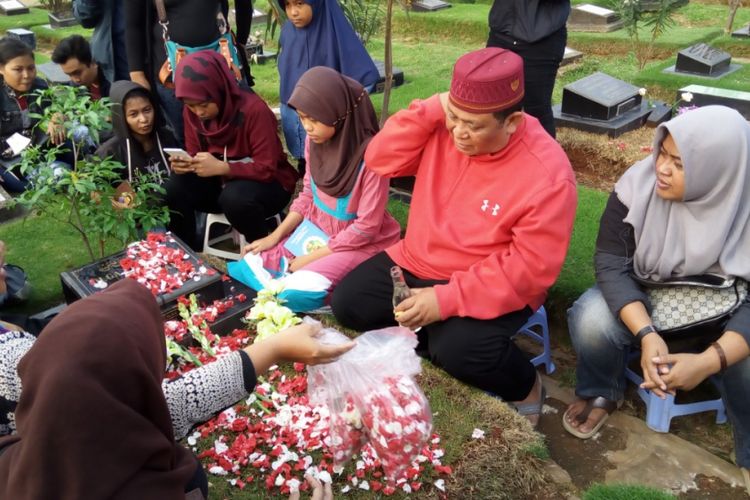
x,y
683,211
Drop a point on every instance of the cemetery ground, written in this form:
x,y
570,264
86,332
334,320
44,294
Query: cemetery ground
x,y
511,461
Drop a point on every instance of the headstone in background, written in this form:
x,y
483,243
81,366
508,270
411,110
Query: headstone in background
x,y
398,76
53,72
600,103
570,56
588,17
743,32
654,5
660,113
26,36
260,19
702,59
12,8
429,5
257,54
705,96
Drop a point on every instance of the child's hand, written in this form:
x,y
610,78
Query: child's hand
x,y
261,245
207,165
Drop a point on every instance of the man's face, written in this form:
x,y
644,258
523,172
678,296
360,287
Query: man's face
x,y
477,134
79,73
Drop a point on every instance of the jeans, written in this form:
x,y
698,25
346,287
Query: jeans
x,y
172,108
602,344
294,134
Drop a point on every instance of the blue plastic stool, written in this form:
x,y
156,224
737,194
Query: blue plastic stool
x,y
539,318
660,412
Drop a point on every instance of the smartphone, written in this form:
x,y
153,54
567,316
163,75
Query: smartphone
x,y
178,154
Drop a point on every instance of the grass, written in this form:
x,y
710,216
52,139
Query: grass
x,y
624,492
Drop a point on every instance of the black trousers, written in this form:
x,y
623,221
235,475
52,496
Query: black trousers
x,y
540,63
246,204
478,352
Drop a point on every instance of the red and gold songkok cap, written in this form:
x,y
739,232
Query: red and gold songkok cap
x,y
487,80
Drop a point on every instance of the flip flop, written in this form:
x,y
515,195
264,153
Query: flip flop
x,y
534,408
598,402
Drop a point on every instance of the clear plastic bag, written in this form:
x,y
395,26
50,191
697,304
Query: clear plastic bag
x,y
373,398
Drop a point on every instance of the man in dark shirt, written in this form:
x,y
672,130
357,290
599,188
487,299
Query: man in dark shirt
x,y
73,54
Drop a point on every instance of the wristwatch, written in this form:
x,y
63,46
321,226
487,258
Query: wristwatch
x,y
643,332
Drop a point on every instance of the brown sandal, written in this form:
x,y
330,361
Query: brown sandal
x,y
599,402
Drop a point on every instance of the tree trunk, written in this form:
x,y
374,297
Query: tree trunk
x,y
734,6
388,61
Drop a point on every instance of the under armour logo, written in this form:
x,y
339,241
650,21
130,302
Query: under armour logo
x,y
485,204
495,209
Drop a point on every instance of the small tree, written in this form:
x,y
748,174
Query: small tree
x,y
82,196
388,63
634,17
734,6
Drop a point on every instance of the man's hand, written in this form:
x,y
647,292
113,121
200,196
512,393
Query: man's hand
x,y
207,165
420,309
56,129
653,347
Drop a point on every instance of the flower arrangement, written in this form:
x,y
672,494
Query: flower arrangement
x,y
269,315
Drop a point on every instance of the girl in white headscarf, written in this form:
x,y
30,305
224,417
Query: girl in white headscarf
x,y
683,211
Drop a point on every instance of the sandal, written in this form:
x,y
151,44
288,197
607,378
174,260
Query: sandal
x,y
598,402
534,408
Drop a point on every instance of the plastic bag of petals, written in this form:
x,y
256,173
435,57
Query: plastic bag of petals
x,y
372,397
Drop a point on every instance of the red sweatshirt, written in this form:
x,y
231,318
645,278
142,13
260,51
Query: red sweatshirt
x,y
497,226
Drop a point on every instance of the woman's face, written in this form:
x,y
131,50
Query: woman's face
x,y
670,176
204,110
299,12
19,73
139,114
316,131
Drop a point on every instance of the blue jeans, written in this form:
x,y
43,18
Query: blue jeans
x,y
602,344
294,134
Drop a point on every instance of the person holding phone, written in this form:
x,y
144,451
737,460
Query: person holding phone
x,y
238,166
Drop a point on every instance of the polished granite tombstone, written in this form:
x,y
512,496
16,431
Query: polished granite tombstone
x,y
12,8
570,56
588,17
429,5
26,36
398,76
53,72
703,61
743,32
600,103
705,96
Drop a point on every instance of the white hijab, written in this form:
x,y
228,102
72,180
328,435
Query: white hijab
x,y
709,230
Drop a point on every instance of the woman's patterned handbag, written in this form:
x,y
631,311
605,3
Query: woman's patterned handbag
x,y
682,303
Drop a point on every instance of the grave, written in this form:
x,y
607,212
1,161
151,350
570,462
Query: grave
x,y
588,17
705,96
257,54
704,61
93,277
743,32
12,8
654,5
53,72
26,36
260,19
570,56
601,104
429,5
398,77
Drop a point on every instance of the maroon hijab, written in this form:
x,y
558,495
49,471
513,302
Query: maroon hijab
x,y
92,420
204,76
337,101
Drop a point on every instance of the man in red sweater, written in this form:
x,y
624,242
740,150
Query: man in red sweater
x,y
489,225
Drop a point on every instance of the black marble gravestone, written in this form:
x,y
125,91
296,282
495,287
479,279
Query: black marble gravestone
x,y
12,8
702,59
602,104
588,17
743,32
398,76
429,5
705,96
53,72
26,36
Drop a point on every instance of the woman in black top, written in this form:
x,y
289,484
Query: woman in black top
x,y
192,23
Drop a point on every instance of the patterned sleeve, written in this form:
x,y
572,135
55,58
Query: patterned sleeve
x,y
201,393
13,346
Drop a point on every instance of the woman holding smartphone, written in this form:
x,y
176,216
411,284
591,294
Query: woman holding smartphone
x,y
238,166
